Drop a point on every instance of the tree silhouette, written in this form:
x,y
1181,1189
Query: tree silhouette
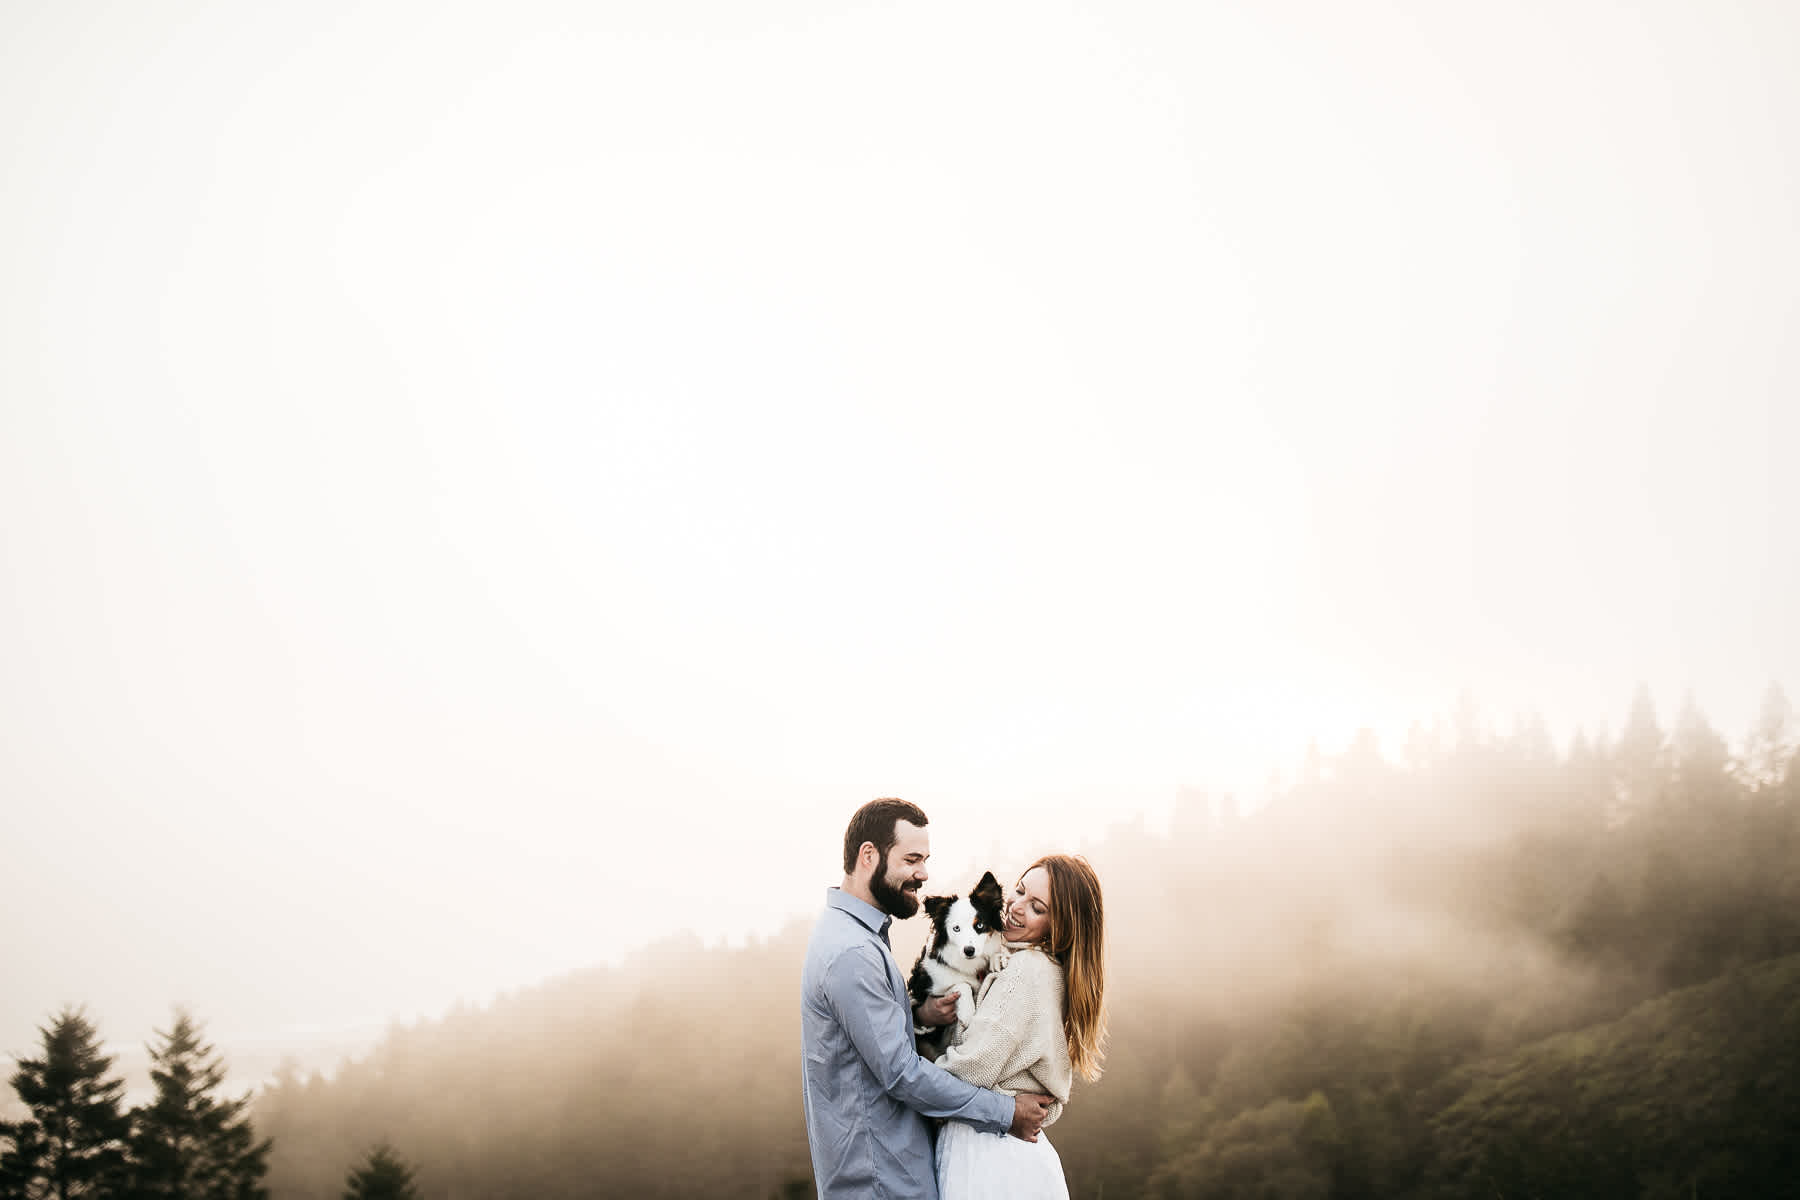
x,y
383,1176
1699,754
74,1142
189,1143
1639,755
1773,744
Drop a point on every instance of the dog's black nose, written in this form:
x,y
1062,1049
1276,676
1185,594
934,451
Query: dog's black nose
x,y
969,950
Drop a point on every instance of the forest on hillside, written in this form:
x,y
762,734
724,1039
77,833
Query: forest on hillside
x,y
1491,967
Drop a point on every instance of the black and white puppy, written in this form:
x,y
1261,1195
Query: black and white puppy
x,y
966,943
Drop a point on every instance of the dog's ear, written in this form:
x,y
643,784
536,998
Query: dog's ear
x,y
987,891
936,906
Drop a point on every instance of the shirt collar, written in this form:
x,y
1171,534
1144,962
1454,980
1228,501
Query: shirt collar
x,y
867,913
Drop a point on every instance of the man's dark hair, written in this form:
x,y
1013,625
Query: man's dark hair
x,y
874,822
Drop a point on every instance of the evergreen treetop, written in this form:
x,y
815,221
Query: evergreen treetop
x,y
73,1144
189,1142
384,1175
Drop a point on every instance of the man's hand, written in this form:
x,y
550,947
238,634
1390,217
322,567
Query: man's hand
x,y
937,1011
1029,1111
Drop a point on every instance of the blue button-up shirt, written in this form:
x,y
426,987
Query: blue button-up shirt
x,y
867,1090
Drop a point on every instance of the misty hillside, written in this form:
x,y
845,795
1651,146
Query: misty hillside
x,y
1693,1092
1496,969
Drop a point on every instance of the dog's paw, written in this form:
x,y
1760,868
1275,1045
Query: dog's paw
x,y
998,959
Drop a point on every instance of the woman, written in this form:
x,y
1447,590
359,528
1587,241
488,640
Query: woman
x,y
1038,1021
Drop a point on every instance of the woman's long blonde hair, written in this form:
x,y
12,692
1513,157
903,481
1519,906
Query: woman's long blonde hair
x,y
1077,940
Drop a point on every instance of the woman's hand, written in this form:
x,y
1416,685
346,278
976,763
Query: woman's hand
x,y
937,1010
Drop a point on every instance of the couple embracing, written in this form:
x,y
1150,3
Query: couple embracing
x,y
1038,1022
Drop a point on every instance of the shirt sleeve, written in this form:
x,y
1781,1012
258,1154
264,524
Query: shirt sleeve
x,y
880,1028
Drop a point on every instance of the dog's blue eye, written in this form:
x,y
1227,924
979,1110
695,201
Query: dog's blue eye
x,y
979,928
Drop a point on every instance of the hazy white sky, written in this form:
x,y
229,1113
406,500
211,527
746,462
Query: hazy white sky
x,y
483,486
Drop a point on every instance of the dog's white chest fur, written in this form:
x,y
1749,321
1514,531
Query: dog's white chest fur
x,y
944,977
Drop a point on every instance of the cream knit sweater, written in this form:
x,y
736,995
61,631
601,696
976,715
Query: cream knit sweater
x,y
1015,1042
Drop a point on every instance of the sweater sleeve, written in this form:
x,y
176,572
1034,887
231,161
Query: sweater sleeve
x,y
987,1049
1015,1027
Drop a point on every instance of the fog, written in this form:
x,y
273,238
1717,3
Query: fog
x,y
1495,970
483,492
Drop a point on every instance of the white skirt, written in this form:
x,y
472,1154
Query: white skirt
x,y
972,1165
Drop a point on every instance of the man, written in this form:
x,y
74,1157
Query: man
x,y
867,1090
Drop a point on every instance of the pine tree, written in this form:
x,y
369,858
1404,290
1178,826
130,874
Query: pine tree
x,y
1773,746
384,1176
1640,755
74,1142
1699,754
188,1144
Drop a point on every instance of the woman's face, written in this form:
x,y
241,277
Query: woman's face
x,y
1028,908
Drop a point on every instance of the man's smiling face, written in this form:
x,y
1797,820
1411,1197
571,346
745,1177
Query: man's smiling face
x,y
901,872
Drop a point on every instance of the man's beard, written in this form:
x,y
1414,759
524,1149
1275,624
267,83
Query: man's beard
x,y
898,902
